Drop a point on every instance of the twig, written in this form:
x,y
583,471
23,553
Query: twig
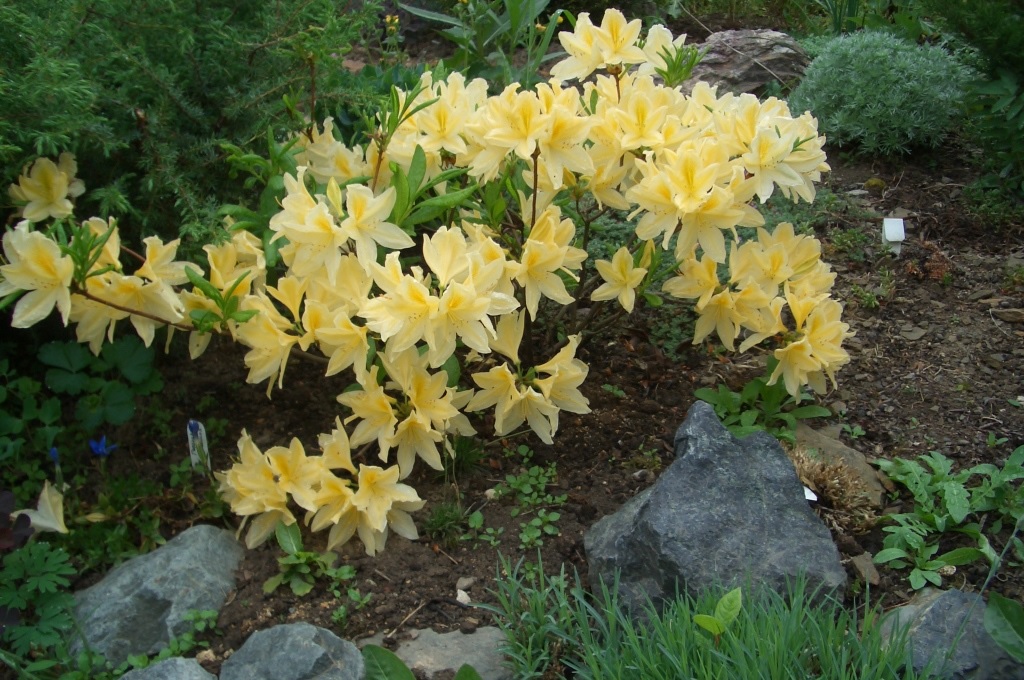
x,y
408,616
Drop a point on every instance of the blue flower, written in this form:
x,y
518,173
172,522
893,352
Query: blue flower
x,y
54,455
100,448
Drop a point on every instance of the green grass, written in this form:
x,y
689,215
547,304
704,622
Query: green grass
x,y
555,626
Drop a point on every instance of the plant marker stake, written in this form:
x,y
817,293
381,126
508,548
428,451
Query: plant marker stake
x,y
198,449
893,234
810,495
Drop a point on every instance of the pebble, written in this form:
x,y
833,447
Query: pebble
x,y
465,583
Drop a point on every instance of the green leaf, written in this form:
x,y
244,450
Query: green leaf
x,y
453,369
205,286
131,357
653,300
958,504
382,664
271,584
811,411
728,608
961,556
288,537
890,554
467,672
417,169
709,623
70,356
1004,621
301,585
118,403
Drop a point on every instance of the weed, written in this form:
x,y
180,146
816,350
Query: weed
x,y
477,531
853,431
445,523
851,242
612,389
865,298
532,533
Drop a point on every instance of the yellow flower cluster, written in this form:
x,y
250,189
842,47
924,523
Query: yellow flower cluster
x,y
45,190
260,484
395,310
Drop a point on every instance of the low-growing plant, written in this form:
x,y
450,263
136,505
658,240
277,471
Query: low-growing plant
x,y
882,94
531,488
532,533
383,664
445,523
942,503
477,531
35,598
299,568
760,406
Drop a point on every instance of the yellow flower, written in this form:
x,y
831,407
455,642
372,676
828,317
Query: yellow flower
x,y
160,265
366,225
379,490
621,279
337,452
582,47
49,512
616,39
295,473
36,265
46,187
373,408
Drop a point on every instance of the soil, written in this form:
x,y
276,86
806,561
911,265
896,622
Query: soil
x,y
934,367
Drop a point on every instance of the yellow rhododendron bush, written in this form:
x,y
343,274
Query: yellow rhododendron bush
x,y
425,264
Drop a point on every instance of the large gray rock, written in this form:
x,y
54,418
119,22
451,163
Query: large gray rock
x,y
429,653
727,512
746,61
295,651
140,605
174,668
952,623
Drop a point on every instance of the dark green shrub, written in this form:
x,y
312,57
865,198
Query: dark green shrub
x,y
996,112
141,91
882,94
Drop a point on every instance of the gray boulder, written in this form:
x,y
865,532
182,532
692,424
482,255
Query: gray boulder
x,y
140,605
175,668
725,513
295,651
746,61
952,624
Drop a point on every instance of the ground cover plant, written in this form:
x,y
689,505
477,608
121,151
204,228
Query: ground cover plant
x,y
626,368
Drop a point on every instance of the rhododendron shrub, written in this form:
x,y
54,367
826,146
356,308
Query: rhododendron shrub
x,y
420,264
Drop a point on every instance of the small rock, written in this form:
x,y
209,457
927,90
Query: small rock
x,y
467,627
981,294
465,583
462,596
1010,315
865,568
913,333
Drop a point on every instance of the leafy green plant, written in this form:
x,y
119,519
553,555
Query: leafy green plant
x,y
106,386
925,566
488,33
613,390
853,431
532,533
383,664
34,582
760,407
299,568
146,89
530,488
726,610
882,94
477,531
